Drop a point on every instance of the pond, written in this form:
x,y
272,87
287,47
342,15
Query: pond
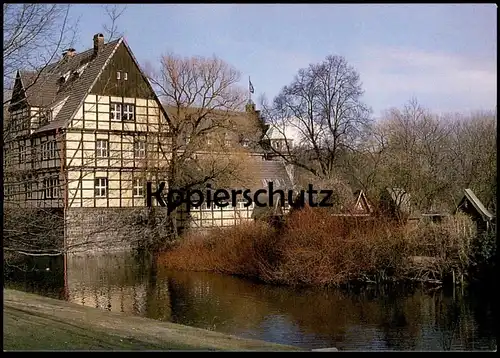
x,y
371,318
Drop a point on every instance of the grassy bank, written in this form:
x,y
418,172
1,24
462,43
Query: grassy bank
x,y
316,248
33,322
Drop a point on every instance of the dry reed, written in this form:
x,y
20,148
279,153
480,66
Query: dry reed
x,y
315,247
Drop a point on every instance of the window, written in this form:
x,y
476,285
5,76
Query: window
x,y
205,206
28,189
101,148
100,187
25,123
49,150
125,76
22,153
43,117
128,112
118,75
119,111
44,153
139,149
45,150
241,203
115,111
51,188
138,187
55,187
52,149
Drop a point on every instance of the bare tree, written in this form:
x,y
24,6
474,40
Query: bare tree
x,y
473,154
323,103
204,122
417,154
433,158
113,12
363,167
34,35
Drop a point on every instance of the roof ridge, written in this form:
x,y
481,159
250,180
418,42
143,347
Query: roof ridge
x,y
477,203
51,65
229,111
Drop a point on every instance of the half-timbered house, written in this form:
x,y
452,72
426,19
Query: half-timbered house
x,y
84,135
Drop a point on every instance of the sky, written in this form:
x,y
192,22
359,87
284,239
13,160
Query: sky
x,y
443,55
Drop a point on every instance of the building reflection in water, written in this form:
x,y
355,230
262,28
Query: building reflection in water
x,y
116,282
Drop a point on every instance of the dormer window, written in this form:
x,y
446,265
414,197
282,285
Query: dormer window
x,y
125,76
64,78
44,117
81,69
118,75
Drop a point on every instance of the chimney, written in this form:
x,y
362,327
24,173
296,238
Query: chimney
x,y
98,43
70,52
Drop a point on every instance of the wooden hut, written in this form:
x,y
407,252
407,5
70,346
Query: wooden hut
x,y
361,204
472,206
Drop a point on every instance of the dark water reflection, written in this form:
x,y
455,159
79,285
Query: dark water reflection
x,y
368,319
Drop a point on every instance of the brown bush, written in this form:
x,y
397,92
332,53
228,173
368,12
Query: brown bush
x,y
441,248
245,250
317,248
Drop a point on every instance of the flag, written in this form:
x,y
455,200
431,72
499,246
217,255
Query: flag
x,y
250,85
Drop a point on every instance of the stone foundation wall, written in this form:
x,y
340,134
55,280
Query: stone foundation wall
x,y
93,230
90,230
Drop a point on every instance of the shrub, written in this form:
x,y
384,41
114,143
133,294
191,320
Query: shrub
x,y
483,255
316,247
440,249
246,249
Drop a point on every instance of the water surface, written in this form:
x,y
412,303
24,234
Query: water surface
x,y
363,319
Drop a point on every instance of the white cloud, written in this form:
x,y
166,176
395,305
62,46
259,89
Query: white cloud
x,y
445,82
